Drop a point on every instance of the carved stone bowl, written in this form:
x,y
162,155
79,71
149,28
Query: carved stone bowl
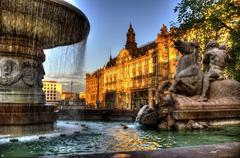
x,y
43,23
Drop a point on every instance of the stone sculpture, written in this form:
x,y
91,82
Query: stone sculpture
x,y
188,75
9,73
215,61
196,99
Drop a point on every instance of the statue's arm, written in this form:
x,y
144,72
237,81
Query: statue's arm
x,y
206,58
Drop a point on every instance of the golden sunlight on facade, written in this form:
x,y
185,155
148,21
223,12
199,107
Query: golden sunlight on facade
x,y
94,88
132,79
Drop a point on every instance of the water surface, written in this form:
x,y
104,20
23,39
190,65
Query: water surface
x,y
96,137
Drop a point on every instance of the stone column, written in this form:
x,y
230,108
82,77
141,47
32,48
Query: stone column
x,y
21,72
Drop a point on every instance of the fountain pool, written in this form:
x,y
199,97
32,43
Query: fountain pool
x,y
85,137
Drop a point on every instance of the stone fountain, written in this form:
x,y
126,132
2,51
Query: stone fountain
x,y
27,27
196,99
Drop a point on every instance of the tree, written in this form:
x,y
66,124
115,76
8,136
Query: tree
x,y
203,20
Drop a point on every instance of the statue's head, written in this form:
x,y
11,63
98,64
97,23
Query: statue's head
x,y
212,44
186,47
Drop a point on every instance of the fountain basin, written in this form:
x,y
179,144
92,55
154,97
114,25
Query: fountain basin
x,y
27,27
43,23
21,114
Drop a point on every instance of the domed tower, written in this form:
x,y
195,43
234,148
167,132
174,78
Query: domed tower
x,y
131,42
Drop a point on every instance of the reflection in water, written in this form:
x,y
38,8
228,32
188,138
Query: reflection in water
x,y
130,139
98,137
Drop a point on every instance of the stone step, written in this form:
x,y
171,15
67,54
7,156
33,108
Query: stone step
x,y
206,114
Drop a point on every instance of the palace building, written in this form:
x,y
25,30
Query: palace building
x,y
132,79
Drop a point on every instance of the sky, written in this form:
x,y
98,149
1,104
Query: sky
x,y
109,22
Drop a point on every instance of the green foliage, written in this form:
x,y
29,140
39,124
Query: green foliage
x,y
203,20
233,68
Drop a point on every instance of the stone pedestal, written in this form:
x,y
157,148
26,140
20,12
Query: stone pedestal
x,y
20,114
26,130
181,111
22,100
215,112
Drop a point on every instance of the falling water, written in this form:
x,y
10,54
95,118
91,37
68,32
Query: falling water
x,y
66,65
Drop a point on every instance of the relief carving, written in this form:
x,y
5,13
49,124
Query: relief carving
x,y
33,73
29,75
41,73
9,72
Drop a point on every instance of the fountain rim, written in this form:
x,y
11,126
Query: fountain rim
x,y
74,38
74,8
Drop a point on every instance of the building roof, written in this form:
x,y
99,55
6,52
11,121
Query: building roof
x,y
144,49
98,71
111,62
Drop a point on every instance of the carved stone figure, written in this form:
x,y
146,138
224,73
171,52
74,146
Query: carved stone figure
x,y
9,72
40,76
147,116
33,73
14,71
7,67
188,77
182,108
215,61
29,74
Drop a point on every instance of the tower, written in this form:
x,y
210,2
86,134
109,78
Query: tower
x,y
131,42
163,30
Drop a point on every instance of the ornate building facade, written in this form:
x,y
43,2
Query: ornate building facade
x,y
132,79
94,89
